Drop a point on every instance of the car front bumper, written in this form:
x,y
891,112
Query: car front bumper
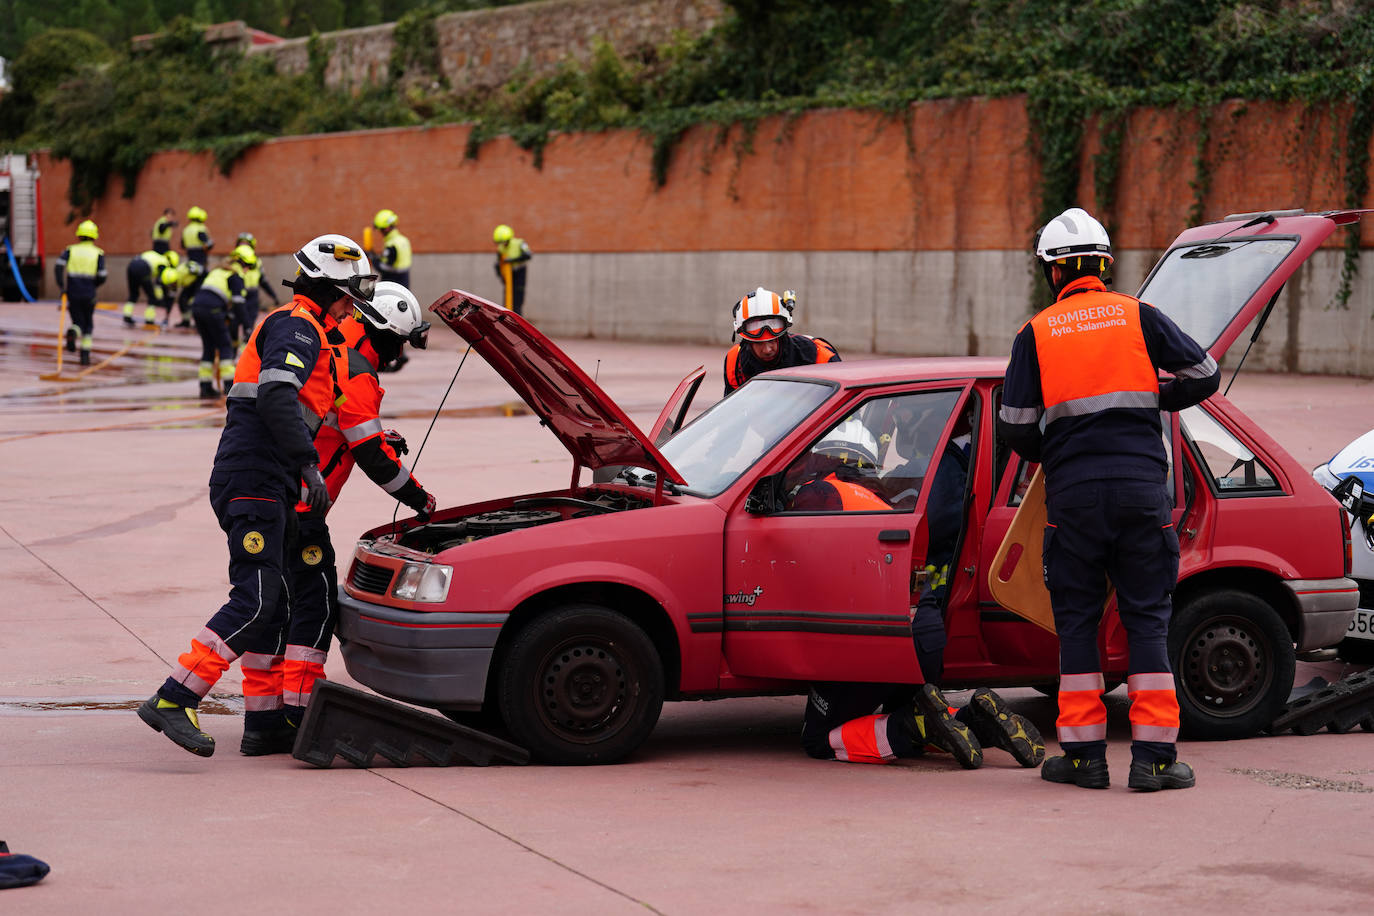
x,y
427,658
1325,607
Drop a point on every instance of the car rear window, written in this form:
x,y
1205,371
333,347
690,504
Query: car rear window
x,y
1203,287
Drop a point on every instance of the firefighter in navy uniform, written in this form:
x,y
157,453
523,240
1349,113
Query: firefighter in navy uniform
x,y
841,721
254,284
220,296
351,434
80,271
1087,367
196,241
266,462
763,320
163,230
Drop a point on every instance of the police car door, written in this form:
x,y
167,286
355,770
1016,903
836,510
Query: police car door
x,y
820,583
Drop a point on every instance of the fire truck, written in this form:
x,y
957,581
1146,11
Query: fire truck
x,y
21,229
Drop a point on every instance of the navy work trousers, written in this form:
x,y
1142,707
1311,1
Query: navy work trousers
x,y
1120,530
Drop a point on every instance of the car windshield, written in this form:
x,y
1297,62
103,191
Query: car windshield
x,y
1203,287
715,449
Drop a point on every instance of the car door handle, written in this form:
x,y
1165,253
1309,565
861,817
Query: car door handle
x,y
894,536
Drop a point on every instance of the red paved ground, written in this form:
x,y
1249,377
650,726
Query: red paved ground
x,y
111,560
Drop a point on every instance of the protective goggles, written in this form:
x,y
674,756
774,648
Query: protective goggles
x,y
362,288
364,312
763,328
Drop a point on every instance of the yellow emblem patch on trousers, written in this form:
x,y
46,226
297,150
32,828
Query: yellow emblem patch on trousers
x,y
253,542
312,555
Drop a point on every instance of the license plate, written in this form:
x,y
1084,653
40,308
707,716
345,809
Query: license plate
x,y
1361,625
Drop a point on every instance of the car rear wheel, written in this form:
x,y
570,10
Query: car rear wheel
x,y
1233,664
582,684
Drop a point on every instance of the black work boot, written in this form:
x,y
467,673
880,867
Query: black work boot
x,y
280,740
997,726
71,340
179,723
208,390
85,357
1081,771
1151,777
929,722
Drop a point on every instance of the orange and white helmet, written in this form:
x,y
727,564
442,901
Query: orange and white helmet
x,y
762,315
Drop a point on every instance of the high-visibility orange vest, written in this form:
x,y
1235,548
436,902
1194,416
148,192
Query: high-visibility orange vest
x,y
318,393
1092,354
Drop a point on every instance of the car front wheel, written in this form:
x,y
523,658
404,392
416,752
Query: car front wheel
x,y
1233,664
582,684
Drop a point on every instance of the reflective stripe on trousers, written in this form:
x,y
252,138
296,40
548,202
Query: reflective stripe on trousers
x,y
863,740
199,669
262,681
1082,714
302,668
1154,707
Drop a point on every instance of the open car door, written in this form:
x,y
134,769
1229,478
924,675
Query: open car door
x,y
674,413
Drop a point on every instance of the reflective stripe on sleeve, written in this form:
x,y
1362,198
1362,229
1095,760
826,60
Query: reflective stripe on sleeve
x,y
1080,407
278,375
365,430
400,480
247,390
1203,369
1019,415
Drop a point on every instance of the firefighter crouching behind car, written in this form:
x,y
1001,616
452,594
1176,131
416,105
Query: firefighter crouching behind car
x,y
1088,367
763,320
220,296
283,388
351,434
80,271
840,722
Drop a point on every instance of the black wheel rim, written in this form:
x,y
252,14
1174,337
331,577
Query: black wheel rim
x,y
584,689
1226,666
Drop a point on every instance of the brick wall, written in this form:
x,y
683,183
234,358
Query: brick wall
x,y
483,48
896,242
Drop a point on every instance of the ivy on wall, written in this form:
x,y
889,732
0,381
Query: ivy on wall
x,y
1079,64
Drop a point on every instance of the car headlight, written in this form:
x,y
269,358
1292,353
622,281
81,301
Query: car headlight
x,y
423,582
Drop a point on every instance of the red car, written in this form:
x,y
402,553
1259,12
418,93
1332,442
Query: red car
x,y
682,570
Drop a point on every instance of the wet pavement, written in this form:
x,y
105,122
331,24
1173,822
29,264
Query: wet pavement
x,y
111,560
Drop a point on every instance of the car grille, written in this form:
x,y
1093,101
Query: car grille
x,y
369,578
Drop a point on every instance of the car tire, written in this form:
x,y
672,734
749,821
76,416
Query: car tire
x,y
1233,662
582,684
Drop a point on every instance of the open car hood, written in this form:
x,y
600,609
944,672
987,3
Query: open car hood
x,y
584,418
1216,278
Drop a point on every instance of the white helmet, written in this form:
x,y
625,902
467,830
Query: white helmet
x,y
1073,234
763,315
852,443
341,260
394,308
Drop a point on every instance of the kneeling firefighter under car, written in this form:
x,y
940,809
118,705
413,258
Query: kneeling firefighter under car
x,y
283,388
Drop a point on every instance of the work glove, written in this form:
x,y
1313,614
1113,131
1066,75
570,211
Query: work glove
x,y
425,513
314,493
396,441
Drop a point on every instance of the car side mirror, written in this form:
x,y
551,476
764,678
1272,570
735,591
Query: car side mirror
x,y
763,499
1350,494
